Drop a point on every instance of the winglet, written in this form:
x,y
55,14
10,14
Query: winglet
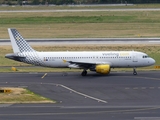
x,y
18,43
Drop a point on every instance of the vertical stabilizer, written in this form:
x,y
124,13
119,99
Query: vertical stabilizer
x,y
18,43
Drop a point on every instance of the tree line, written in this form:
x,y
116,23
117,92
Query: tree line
x,y
65,2
58,2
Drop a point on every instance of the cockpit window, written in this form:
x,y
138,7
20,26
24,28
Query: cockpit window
x,y
145,56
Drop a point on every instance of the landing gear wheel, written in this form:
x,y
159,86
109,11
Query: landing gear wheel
x,y
134,71
84,73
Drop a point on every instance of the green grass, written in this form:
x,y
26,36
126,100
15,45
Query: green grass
x,y
73,19
21,95
82,24
81,17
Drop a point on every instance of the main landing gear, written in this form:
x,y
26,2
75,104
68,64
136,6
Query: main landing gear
x,y
134,71
84,73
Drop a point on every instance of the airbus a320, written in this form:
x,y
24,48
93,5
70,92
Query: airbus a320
x,y
98,61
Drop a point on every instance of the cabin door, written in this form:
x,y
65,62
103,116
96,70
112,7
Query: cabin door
x,y
135,59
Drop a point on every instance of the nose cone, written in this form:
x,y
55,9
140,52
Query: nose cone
x,y
152,61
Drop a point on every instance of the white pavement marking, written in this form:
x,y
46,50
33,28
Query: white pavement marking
x,y
127,88
147,118
143,88
151,87
82,94
135,88
44,75
154,41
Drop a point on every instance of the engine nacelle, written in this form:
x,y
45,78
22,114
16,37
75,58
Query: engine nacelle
x,y
103,69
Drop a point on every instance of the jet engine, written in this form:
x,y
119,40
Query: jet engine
x,y
103,69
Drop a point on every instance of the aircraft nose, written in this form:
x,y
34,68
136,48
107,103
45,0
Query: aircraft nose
x,y
152,61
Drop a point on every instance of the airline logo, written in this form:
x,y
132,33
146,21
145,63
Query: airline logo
x,y
116,54
124,54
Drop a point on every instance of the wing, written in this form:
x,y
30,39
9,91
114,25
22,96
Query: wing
x,y
85,64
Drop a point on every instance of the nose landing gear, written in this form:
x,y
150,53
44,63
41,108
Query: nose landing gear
x,y
134,71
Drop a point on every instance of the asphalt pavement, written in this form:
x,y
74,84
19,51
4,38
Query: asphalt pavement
x,y
119,96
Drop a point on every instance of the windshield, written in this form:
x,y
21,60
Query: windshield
x,y
145,56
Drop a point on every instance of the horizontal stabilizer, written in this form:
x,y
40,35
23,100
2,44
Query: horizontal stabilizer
x,y
14,56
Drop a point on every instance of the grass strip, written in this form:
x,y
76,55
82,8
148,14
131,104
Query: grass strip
x,y
21,95
82,25
81,17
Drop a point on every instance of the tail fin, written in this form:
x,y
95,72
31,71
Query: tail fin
x,y
18,43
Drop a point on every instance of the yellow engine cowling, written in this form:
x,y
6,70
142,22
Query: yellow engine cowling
x,y
103,69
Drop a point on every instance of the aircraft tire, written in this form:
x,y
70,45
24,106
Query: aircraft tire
x,y
84,73
134,73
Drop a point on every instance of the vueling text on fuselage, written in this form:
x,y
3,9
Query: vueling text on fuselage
x,y
116,54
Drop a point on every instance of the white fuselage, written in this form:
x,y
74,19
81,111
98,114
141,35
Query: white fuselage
x,y
98,61
116,59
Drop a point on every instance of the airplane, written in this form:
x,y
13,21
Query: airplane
x,y
98,61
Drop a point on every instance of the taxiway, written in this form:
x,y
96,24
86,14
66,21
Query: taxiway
x,y
119,96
